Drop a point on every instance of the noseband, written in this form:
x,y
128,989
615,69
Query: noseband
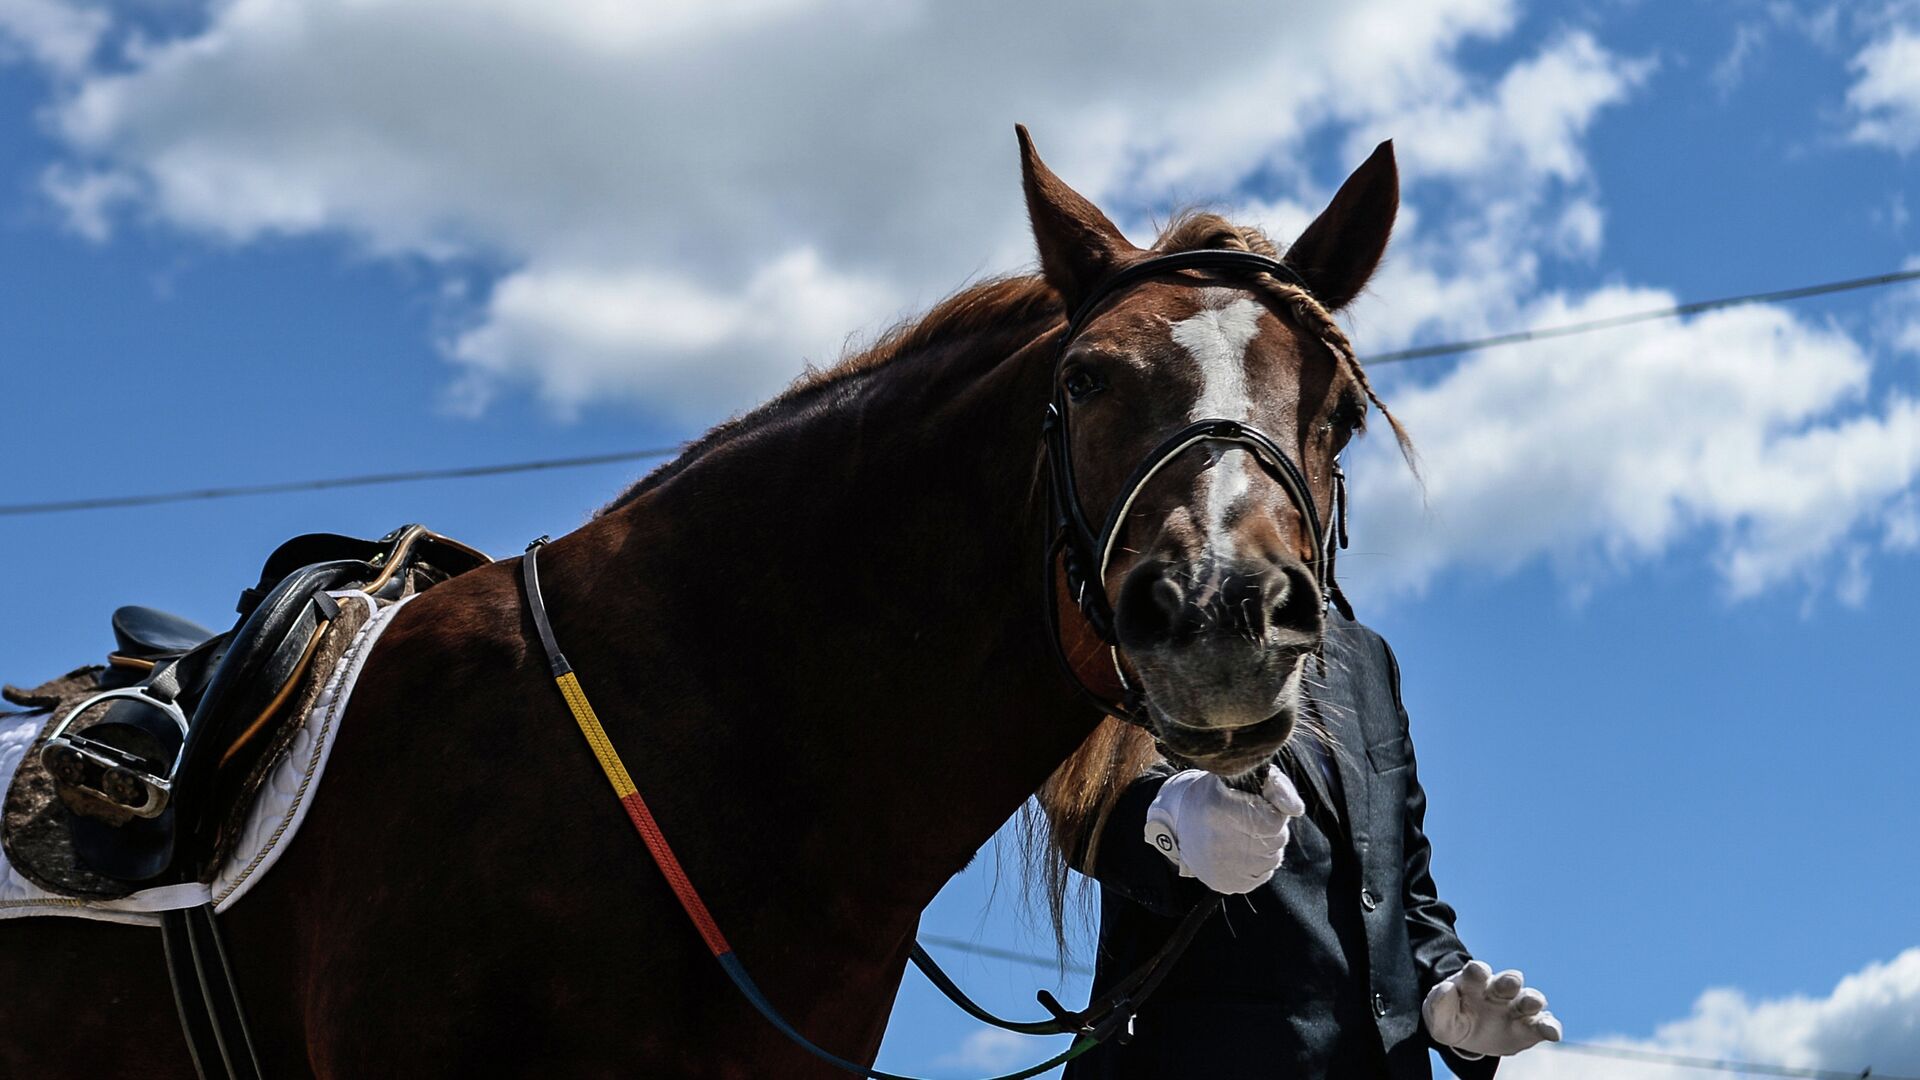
x,y
1086,554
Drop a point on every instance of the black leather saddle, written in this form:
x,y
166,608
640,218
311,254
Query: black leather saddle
x,y
148,633
152,764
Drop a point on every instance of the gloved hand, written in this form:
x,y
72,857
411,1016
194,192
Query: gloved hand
x,y
1231,840
1479,1013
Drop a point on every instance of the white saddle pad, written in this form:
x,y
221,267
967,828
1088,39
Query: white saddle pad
x,y
275,817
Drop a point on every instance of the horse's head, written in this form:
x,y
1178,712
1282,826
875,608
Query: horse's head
x,y
1214,551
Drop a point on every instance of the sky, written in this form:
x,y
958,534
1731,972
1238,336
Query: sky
x,y
1654,605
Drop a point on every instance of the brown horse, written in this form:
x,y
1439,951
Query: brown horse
x,y
817,638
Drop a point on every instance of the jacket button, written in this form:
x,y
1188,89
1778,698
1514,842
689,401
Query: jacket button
x,y
1379,1005
1367,899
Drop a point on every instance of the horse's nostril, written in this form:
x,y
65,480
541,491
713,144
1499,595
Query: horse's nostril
x,y
1279,593
1174,604
1152,608
1293,599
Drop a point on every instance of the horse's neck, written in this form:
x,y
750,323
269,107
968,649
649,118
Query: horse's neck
x,y
823,641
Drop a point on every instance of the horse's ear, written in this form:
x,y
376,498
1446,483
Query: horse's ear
x,y
1078,245
1339,251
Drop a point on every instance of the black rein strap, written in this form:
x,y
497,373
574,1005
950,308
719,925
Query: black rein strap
x,y
206,996
1112,1013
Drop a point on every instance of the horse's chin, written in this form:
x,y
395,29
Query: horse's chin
x,y
1231,753
1229,726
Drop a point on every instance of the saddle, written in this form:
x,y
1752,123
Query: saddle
x,y
149,763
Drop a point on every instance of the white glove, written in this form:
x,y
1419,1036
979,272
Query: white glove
x,y
1231,840
1479,1013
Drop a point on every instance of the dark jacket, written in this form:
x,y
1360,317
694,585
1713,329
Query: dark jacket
x,y
1320,972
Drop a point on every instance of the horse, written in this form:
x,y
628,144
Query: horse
x,y
821,640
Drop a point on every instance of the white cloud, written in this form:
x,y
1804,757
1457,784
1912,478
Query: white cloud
x,y
88,199
1902,532
1529,127
1516,154
1746,426
1748,40
579,333
1897,315
704,150
1872,1018
1885,95
991,1051
57,35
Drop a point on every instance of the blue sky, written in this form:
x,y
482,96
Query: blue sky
x,y
1655,612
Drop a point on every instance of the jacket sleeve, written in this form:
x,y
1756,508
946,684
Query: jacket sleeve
x,y
1437,951
1119,858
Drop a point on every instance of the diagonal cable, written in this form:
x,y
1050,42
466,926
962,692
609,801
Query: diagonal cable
x,y
1650,315
362,480
1422,352
1619,1053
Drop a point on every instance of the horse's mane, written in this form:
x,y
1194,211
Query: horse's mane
x,y
995,303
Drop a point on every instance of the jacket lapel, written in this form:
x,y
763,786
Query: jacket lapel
x,y
1335,705
1301,760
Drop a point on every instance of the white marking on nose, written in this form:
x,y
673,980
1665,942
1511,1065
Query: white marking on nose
x,y
1217,339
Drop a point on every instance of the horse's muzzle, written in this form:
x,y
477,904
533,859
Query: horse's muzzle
x,y
1167,605
1219,647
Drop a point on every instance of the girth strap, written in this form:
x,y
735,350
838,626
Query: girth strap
x,y
207,997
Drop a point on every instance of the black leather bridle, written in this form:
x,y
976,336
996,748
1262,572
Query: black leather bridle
x,y
1086,554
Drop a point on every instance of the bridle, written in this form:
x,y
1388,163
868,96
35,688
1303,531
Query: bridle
x,y
1085,555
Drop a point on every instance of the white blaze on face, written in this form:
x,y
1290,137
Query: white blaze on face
x,y
1217,338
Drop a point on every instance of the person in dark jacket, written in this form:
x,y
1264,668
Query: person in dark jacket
x,y
1336,958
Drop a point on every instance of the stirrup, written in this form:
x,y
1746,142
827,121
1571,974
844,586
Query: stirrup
x,y
132,782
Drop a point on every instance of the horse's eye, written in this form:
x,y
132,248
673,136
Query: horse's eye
x,y
1082,383
1346,416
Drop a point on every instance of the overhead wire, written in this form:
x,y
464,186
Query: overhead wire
x,y
1423,352
1688,1061
1610,322
1619,1053
363,480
